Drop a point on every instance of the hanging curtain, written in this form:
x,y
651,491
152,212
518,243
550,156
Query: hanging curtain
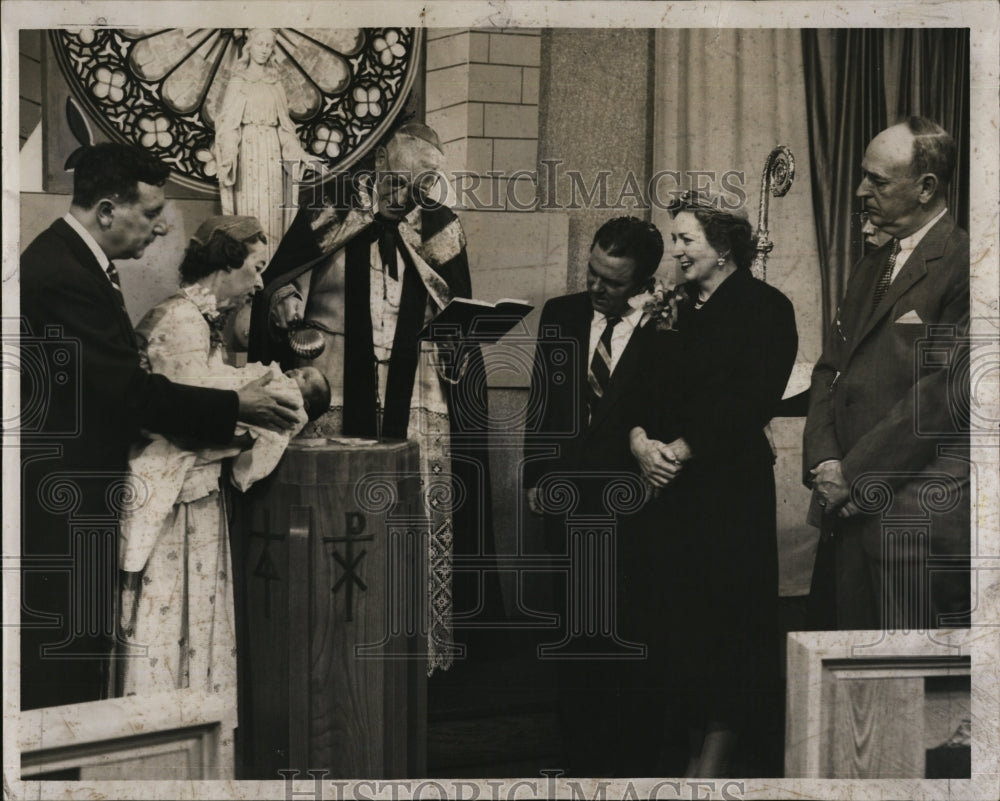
x,y
857,82
927,74
845,108
723,99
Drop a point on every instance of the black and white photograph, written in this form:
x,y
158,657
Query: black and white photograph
x,y
501,400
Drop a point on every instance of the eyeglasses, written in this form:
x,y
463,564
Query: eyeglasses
x,y
401,180
422,183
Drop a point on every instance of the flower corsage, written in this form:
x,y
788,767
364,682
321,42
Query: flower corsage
x,y
660,304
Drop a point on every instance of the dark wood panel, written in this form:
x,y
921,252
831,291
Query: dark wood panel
x,y
499,739
29,42
30,79
353,696
30,82
29,115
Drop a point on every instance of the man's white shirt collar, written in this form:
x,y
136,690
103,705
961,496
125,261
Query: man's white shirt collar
x,y
620,334
89,241
632,318
908,244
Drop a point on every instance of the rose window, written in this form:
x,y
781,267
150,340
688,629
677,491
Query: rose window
x,y
162,88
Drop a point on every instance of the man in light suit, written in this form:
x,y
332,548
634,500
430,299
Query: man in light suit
x,y
886,440
592,356
77,427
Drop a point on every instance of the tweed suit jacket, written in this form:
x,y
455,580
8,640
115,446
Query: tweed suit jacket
x,y
887,397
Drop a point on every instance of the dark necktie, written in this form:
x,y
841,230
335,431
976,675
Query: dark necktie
x,y
886,277
599,373
112,272
388,240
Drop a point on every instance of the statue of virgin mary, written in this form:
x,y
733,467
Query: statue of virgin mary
x,y
257,151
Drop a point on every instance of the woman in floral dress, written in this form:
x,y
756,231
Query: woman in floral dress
x,y
177,586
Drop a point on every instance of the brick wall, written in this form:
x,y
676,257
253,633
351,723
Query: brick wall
x,y
482,99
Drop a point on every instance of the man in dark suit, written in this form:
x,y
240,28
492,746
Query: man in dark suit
x,y
886,440
82,407
590,364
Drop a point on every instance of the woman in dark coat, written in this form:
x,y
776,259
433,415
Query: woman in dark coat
x,y
703,434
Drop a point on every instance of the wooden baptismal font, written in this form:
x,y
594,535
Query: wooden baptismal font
x,y
332,612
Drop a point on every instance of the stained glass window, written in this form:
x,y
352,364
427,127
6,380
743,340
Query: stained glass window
x,y
161,88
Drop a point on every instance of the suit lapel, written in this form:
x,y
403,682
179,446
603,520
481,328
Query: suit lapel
x,y
88,262
628,365
914,269
858,315
929,249
577,329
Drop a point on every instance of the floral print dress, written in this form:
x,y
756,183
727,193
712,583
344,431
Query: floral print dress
x,y
183,633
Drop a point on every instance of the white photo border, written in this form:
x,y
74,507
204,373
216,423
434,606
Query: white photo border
x,y
982,641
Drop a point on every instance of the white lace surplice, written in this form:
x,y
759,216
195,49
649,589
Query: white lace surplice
x,y
428,425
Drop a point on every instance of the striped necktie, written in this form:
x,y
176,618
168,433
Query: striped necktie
x,y
112,272
599,373
886,277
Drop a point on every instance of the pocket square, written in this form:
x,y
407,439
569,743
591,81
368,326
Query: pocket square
x,y
910,317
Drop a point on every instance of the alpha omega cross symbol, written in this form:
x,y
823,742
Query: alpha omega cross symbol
x,y
354,523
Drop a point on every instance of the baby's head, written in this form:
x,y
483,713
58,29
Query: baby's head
x,y
315,390
237,330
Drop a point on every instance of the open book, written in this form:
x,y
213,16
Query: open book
x,y
476,319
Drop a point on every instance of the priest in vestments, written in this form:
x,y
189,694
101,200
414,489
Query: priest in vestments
x,y
367,266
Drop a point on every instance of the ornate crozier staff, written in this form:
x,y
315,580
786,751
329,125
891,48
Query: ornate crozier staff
x,y
779,172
